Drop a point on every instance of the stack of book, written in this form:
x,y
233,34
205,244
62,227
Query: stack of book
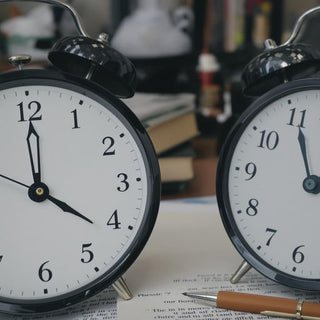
x,y
171,124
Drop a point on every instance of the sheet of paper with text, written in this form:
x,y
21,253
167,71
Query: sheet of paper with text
x,y
189,250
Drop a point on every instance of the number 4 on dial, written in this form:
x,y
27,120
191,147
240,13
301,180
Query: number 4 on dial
x,y
114,221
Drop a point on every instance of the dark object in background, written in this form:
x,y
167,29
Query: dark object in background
x,y
173,74
232,66
297,59
3,47
239,103
208,125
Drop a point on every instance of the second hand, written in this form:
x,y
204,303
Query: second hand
x,y
15,181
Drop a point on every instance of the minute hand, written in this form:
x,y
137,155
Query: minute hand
x,y
302,143
33,141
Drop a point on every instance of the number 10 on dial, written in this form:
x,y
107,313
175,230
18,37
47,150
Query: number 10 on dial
x,y
268,185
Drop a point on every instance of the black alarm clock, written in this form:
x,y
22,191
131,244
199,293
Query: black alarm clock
x,y
79,178
268,185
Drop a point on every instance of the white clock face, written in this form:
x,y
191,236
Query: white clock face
x,y
273,184
57,240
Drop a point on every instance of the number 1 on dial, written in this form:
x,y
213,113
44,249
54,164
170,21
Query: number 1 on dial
x,y
75,119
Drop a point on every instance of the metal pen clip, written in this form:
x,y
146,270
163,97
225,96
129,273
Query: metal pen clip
x,y
297,315
287,315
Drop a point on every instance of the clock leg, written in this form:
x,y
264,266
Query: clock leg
x,y
241,271
122,289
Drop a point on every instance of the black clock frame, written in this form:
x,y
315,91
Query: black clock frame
x,y
138,132
222,185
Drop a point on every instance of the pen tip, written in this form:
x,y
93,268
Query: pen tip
x,y
202,296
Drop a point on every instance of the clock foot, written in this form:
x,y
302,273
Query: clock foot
x,y
122,289
241,271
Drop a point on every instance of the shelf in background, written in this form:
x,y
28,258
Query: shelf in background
x,y
205,167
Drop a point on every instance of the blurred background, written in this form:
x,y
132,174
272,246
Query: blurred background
x,y
189,55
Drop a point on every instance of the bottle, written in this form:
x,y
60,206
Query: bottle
x,y
209,101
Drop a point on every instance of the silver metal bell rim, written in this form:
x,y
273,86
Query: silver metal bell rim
x,y
63,5
302,19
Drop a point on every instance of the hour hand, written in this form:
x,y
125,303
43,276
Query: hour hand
x,y
66,208
303,148
311,183
33,141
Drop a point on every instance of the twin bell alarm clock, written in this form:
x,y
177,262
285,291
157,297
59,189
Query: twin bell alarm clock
x,y
268,185
79,179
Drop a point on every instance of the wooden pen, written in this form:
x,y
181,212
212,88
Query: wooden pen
x,y
266,305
